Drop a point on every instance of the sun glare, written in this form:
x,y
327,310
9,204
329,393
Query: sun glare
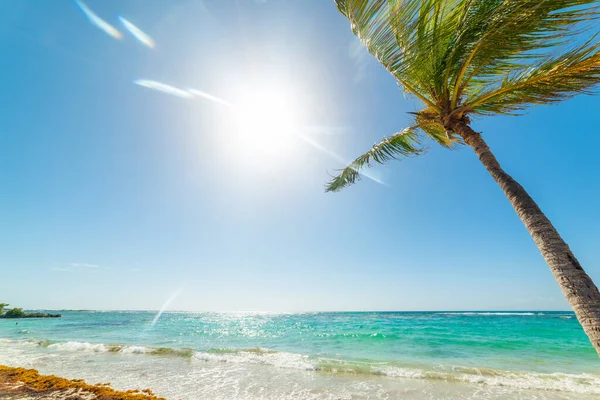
x,y
265,121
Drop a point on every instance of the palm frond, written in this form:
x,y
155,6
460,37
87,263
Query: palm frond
x,y
501,35
402,144
445,50
398,33
552,80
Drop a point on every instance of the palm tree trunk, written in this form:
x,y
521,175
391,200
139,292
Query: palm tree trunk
x,y
577,287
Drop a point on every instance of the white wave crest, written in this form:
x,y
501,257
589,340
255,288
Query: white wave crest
x,y
135,350
489,313
400,372
276,359
584,383
80,346
560,382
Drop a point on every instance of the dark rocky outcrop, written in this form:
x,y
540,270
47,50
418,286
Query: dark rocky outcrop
x,y
19,313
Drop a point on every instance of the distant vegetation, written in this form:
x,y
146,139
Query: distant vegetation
x,y
19,313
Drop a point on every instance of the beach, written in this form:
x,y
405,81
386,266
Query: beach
x,y
457,355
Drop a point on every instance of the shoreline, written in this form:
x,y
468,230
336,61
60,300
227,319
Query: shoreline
x,y
28,384
399,356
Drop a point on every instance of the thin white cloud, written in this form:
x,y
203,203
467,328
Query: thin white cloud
x,y
84,265
137,33
98,22
80,267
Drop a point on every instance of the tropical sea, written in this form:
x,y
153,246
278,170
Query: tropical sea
x,y
358,355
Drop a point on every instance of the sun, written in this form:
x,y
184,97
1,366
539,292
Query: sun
x,y
266,120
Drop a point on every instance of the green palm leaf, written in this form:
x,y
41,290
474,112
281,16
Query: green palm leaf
x,y
402,144
552,80
498,36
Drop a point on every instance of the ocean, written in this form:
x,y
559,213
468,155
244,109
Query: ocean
x,y
301,356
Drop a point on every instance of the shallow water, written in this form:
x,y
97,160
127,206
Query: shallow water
x,y
528,355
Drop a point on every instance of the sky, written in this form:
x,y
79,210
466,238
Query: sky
x,y
116,195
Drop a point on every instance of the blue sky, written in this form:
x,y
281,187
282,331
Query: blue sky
x,y
116,196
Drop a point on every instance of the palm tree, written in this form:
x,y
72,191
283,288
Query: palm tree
x,y
464,58
2,305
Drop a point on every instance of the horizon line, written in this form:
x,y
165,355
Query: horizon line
x,y
296,312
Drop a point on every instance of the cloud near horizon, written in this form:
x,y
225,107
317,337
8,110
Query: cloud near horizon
x,y
87,267
80,267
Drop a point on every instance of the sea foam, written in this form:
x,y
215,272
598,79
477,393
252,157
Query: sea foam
x,y
559,382
491,313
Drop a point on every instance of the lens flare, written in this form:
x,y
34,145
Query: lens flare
x,y
99,22
162,87
337,157
210,97
263,122
164,307
137,33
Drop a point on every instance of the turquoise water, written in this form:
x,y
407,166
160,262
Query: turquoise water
x,y
445,354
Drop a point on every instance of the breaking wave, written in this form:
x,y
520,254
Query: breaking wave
x,y
118,348
491,313
560,382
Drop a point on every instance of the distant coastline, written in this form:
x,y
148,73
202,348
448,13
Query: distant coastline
x,y
105,310
15,313
31,315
